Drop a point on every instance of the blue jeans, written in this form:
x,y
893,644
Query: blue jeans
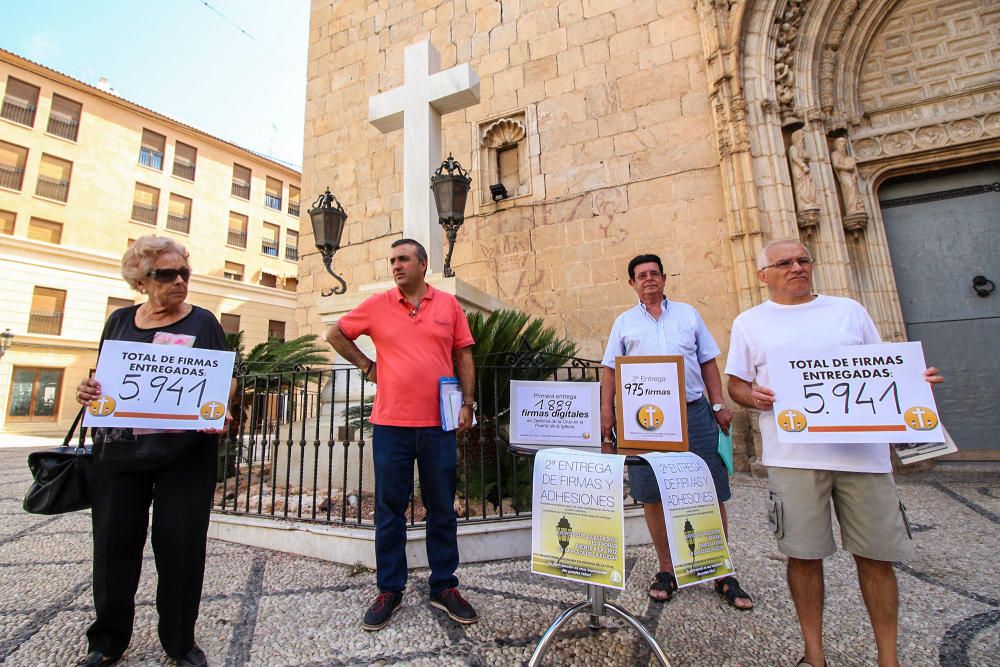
x,y
435,451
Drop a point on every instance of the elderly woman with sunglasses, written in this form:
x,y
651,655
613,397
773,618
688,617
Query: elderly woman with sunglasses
x,y
174,471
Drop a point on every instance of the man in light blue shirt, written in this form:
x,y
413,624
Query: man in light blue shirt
x,y
657,326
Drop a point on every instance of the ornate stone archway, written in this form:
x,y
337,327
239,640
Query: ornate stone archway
x,y
878,88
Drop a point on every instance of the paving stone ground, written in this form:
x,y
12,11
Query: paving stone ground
x,y
267,608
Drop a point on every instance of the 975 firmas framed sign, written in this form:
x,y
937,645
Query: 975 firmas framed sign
x,y
161,387
651,409
856,393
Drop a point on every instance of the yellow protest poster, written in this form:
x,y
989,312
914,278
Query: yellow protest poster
x,y
577,518
697,540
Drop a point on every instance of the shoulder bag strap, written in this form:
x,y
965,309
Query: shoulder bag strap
x,y
83,430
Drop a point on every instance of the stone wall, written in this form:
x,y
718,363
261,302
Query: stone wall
x,y
621,138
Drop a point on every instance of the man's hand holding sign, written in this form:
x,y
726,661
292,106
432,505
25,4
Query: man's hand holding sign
x,y
159,387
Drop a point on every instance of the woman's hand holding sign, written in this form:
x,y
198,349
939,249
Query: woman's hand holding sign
x,y
88,390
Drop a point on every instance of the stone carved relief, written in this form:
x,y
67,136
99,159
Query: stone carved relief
x,y
503,132
928,49
786,41
831,45
807,208
846,169
928,137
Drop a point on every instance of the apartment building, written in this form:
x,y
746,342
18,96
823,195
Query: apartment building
x,y
83,173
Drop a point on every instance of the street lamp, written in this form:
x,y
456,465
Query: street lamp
x,y
450,193
689,537
328,220
5,340
563,530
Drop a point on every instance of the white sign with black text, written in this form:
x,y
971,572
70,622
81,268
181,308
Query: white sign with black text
x,y
555,413
856,393
161,387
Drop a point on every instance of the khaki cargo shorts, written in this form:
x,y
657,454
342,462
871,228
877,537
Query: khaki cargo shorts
x,y
873,522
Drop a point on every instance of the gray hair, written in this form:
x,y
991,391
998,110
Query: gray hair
x,y
762,258
138,260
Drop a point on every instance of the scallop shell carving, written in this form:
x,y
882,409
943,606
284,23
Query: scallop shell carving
x,y
504,132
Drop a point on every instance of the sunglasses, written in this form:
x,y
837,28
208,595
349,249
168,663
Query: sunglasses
x,y
169,275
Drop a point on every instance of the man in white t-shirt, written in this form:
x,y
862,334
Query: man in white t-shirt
x,y
803,479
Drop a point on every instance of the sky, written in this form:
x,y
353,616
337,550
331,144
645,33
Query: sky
x,y
235,69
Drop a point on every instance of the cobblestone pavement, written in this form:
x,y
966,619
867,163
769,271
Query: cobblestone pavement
x,y
268,608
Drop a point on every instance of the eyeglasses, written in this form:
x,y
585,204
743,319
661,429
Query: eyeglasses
x,y
787,263
655,275
169,275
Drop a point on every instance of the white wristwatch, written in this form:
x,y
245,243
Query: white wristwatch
x,y
717,406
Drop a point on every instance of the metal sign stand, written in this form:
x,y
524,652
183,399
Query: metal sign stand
x,y
598,607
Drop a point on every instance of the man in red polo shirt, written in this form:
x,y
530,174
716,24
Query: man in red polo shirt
x,y
416,330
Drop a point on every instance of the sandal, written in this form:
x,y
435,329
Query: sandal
x,y
664,582
731,591
802,662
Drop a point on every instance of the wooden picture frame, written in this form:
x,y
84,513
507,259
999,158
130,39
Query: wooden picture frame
x,y
642,430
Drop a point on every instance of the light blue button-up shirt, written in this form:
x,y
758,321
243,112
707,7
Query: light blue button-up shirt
x,y
679,331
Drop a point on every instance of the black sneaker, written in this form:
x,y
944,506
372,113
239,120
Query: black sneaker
x,y
193,658
451,601
381,609
99,659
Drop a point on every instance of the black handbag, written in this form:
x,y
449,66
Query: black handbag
x,y
61,476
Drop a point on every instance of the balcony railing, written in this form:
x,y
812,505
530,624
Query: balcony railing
x,y
66,128
18,111
45,322
269,247
236,238
241,190
184,170
292,253
179,223
293,208
272,201
150,158
52,188
144,214
11,177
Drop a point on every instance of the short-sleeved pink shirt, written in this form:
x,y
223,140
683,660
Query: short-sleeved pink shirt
x,y
414,348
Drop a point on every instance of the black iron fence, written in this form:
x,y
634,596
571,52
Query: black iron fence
x,y
11,177
179,223
184,170
241,190
63,126
52,188
18,111
143,213
300,447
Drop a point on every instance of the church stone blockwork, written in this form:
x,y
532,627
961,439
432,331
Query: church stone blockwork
x,y
606,104
663,126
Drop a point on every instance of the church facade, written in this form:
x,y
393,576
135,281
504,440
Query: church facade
x,y
696,130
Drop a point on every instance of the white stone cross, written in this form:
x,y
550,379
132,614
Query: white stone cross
x,y
426,95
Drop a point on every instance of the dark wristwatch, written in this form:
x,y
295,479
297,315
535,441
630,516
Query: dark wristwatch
x,y
471,404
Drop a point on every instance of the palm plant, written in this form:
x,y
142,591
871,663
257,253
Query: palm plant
x,y
282,365
510,345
